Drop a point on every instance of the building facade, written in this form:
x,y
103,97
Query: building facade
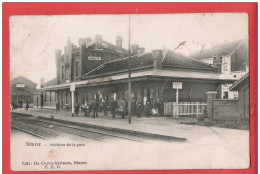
x,y
242,86
99,70
22,90
234,61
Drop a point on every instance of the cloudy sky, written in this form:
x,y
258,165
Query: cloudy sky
x,y
34,38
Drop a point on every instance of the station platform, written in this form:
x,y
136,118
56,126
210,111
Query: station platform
x,y
165,126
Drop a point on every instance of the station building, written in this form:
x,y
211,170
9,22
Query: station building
x,y
99,70
22,90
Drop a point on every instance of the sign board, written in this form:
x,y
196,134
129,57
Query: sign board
x,y
72,87
20,85
94,58
177,85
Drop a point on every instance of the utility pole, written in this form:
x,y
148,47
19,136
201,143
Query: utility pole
x,y
129,73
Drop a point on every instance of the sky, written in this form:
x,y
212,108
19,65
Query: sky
x,y
33,39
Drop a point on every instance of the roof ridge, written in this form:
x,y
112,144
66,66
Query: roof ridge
x,y
24,78
191,58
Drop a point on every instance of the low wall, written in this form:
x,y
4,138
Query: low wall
x,y
225,109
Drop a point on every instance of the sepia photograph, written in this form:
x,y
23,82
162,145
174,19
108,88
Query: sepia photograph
x,y
129,92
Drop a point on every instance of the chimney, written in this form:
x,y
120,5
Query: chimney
x,y
157,58
83,41
41,82
98,40
135,49
119,41
217,62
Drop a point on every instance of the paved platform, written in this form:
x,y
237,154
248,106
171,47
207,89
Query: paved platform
x,y
166,126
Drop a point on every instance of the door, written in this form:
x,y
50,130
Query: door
x,y
20,104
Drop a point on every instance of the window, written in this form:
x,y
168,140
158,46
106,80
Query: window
x,y
77,69
67,72
63,72
50,97
225,95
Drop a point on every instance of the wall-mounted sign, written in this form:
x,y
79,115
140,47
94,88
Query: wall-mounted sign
x,y
94,58
72,87
20,85
177,85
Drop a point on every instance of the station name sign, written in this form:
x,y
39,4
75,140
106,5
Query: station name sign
x,y
94,58
20,85
72,86
177,85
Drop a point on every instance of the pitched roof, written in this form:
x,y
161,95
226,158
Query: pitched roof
x,y
171,59
177,60
22,78
218,50
236,85
122,64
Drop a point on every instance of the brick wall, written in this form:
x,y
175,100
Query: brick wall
x,y
225,109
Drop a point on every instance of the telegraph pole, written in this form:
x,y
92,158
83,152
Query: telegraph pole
x,y
129,73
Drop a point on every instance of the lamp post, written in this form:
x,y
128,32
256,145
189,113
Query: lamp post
x,y
129,75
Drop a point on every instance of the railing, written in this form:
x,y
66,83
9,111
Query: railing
x,y
184,108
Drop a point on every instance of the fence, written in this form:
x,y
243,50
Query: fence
x,y
184,108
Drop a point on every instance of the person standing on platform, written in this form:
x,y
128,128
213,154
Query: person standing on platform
x,y
77,109
148,109
138,108
57,106
95,109
27,105
113,107
121,105
104,107
133,107
126,107
157,106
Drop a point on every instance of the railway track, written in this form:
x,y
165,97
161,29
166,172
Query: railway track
x,y
89,133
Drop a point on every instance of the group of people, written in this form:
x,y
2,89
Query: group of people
x,y
15,106
118,106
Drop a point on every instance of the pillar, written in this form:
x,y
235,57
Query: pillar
x,y
210,96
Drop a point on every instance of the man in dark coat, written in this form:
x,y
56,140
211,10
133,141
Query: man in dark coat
x,y
57,106
77,109
104,104
148,109
95,109
133,107
27,105
138,108
113,107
